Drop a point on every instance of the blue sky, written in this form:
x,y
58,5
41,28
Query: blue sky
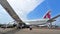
x,y
36,13
41,9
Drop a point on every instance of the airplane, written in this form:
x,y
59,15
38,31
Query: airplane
x,y
9,25
46,20
29,23
36,22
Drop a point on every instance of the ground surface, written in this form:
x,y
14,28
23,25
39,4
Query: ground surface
x,y
27,31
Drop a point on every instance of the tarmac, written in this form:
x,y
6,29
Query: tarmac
x,y
27,31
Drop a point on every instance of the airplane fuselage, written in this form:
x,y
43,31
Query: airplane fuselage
x,y
36,22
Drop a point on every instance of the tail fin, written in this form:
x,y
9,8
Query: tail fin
x,y
48,15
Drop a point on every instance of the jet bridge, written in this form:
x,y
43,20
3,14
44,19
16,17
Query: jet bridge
x,y
10,11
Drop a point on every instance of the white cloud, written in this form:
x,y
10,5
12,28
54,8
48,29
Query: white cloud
x,y
23,7
0,15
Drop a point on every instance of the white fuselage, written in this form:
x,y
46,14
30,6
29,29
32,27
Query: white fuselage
x,y
36,22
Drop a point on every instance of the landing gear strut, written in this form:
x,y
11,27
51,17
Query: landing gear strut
x,y
49,25
20,25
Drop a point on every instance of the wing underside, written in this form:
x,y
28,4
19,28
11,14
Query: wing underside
x,y
53,19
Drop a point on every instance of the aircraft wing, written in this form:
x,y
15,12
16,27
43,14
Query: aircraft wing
x,y
53,19
10,10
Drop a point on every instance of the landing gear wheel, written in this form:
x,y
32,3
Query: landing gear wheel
x,y
30,28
